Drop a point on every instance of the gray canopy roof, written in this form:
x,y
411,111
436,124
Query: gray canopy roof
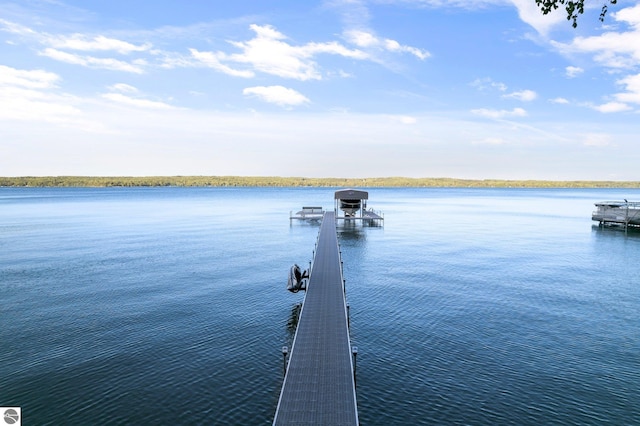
x,y
351,194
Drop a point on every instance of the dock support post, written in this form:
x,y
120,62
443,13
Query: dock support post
x,y
285,351
348,316
626,218
354,351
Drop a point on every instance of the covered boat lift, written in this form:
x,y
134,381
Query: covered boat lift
x,y
353,205
349,205
625,213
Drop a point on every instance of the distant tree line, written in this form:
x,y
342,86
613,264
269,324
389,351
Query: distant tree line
x,y
274,181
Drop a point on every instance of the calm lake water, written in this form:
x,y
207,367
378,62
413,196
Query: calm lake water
x,y
140,306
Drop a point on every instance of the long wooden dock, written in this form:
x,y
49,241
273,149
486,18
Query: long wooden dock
x,y
319,385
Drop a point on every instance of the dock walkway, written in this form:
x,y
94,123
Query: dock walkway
x,y
319,386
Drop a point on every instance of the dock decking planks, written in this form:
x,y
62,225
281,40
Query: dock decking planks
x,y
319,387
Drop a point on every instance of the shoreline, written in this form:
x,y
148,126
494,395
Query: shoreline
x,y
275,181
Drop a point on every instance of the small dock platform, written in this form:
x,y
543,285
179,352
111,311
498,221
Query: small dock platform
x,y
319,384
308,213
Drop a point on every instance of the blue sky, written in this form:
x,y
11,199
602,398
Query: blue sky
x,y
487,89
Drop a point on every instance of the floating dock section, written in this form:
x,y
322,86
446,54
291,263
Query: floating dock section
x,y
308,213
319,383
625,213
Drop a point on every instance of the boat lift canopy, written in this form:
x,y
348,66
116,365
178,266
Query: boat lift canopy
x,y
351,194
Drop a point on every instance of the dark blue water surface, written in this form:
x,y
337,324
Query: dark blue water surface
x,y
145,306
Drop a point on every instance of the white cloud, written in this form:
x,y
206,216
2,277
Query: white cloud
x,y
597,140
80,42
367,40
573,72
611,107
559,101
523,95
31,95
270,53
631,15
490,141
13,28
93,62
497,114
123,88
135,102
27,104
613,49
31,79
57,47
394,46
486,83
122,93
464,4
362,38
618,50
354,13
404,119
212,60
61,56
530,13
333,48
170,60
98,43
632,85
278,95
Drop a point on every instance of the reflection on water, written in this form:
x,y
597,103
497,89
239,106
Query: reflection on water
x,y
292,322
349,233
616,231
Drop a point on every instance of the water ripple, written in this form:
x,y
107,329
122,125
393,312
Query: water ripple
x,y
469,307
